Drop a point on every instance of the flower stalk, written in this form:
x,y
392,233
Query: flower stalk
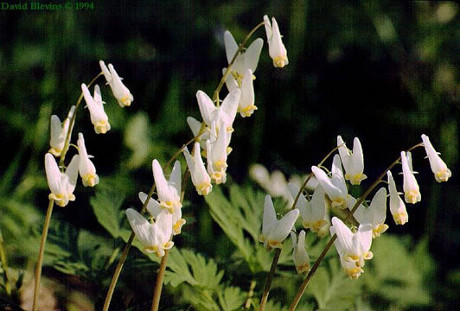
x,y
159,282
270,276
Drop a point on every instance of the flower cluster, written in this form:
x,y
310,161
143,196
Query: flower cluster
x,y
62,181
352,244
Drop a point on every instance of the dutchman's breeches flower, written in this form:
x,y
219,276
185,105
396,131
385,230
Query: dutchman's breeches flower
x,y
86,168
313,212
96,109
411,189
274,231
61,184
397,206
119,90
58,132
216,153
438,166
353,162
335,186
276,48
155,237
198,173
375,214
168,191
299,253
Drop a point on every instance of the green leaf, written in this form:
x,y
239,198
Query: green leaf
x,y
231,298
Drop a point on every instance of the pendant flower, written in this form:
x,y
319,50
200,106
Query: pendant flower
x,y
155,237
299,253
200,176
353,162
119,90
216,153
397,206
168,190
313,212
96,109
274,231
375,214
276,48
86,167
58,132
61,184
438,166
411,189
334,186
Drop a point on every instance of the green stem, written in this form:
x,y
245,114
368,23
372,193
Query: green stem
x,y
38,270
268,282
159,282
305,283
247,303
232,62
5,266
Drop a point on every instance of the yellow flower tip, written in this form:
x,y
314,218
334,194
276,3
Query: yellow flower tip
x,y
218,177
90,180
177,227
401,218
443,175
274,244
168,205
352,258
376,232
354,273
247,111
280,61
339,203
151,249
303,269
230,129
316,226
102,127
368,255
55,152
355,179
126,100
220,165
412,196
204,188
168,245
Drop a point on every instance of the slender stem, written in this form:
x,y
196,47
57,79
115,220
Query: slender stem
x,y
247,303
232,62
72,123
38,270
159,282
270,276
4,266
305,283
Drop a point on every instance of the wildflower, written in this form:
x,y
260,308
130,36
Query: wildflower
x,y
246,105
438,166
276,47
299,253
155,237
58,132
245,60
119,90
61,184
334,186
313,212
274,184
200,176
411,189
353,248
96,109
353,162
216,153
224,114
375,214
86,166
274,231
168,190
397,206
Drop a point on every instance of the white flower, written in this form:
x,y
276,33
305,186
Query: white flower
x,y
375,214
411,189
313,212
299,253
274,231
86,166
58,132
353,248
246,105
96,109
276,47
154,209
438,166
353,162
397,206
200,176
155,237
224,114
245,60
119,90
168,190
61,184
335,186
216,153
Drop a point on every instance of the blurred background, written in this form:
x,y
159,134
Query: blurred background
x,y
383,71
